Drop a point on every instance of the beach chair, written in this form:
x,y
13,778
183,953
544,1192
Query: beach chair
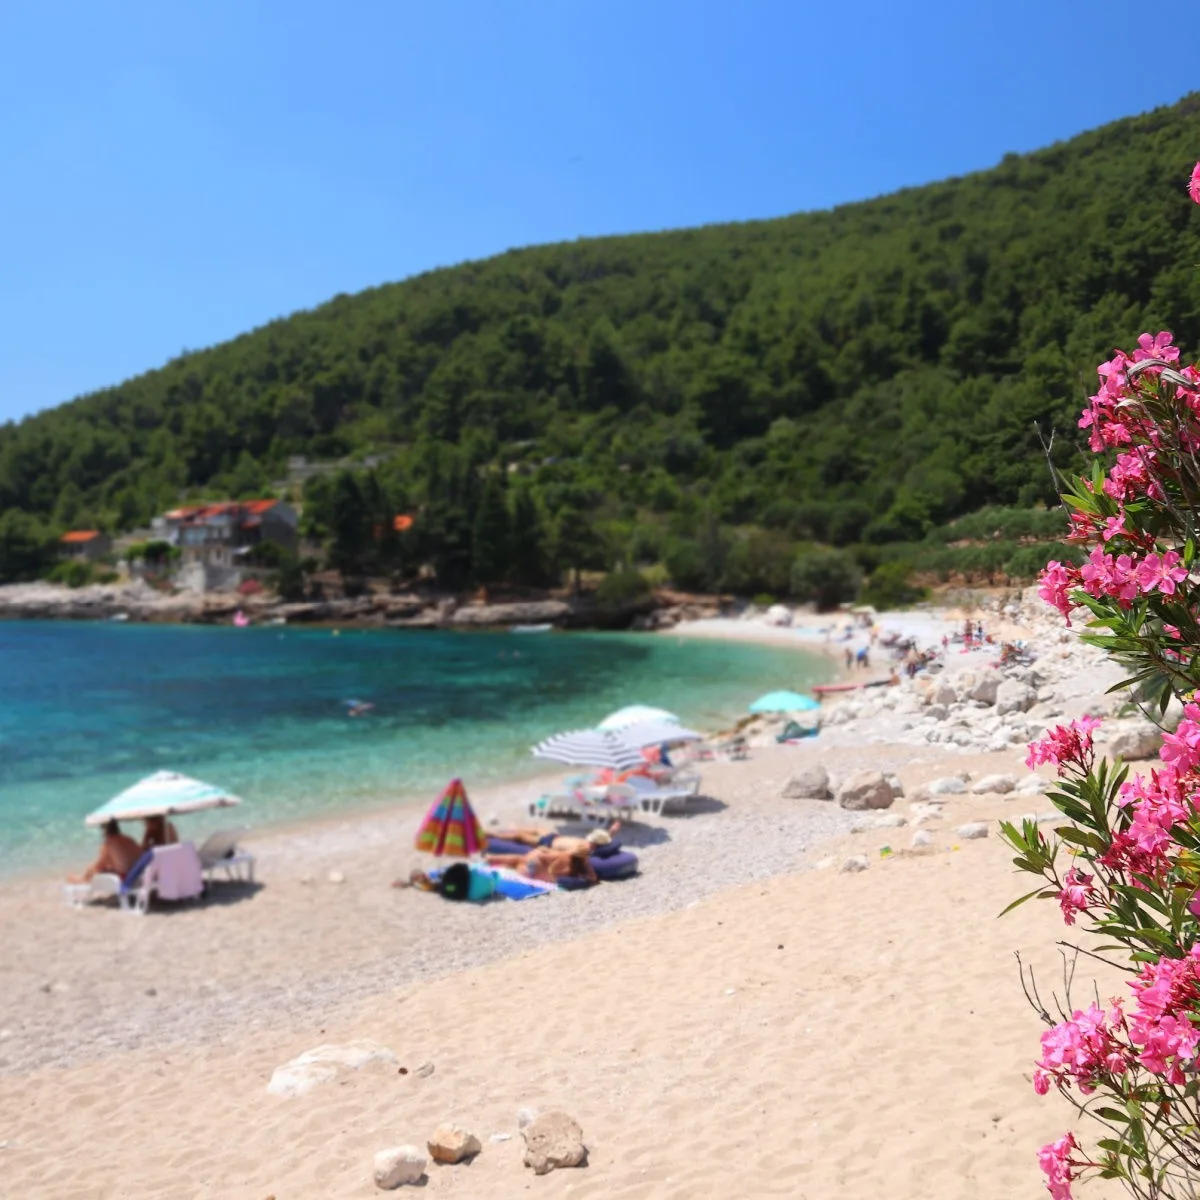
x,y
222,853
595,805
99,887
656,800
168,872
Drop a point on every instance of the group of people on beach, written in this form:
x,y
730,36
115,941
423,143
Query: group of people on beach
x,y
119,852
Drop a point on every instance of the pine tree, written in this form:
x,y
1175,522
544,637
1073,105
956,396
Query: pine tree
x,y
490,532
527,538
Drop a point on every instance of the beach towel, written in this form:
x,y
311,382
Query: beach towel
x,y
177,872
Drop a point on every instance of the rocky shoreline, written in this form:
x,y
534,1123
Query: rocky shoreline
x,y
139,602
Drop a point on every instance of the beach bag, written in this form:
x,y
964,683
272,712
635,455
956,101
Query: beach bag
x,y
455,883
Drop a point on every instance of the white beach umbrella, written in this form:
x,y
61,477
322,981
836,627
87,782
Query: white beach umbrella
x,y
635,714
162,794
655,733
591,748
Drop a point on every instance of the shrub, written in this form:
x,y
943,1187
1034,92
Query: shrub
x,y
619,588
825,577
1124,864
890,586
73,572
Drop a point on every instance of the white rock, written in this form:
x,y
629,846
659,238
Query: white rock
x,y
945,693
896,784
336,877
865,789
948,785
871,821
939,712
1034,785
500,1137
809,784
398,1166
854,864
450,1144
1134,739
1014,696
526,1116
985,688
324,1063
922,837
973,829
554,1140
823,864
999,785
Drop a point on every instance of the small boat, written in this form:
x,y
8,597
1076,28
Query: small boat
x,y
277,621
531,628
119,617
828,689
240,619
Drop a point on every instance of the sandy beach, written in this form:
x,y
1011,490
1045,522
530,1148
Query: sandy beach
x,y
744,1018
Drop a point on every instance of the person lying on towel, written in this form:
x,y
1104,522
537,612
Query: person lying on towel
x,y
532,835
543,862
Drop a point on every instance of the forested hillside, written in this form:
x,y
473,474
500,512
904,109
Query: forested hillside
x,y
858,376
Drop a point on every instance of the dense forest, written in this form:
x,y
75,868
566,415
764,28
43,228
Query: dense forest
x,y
712,401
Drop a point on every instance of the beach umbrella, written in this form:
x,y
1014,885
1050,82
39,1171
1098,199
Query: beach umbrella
x,y
784,702
655,733
635,714
163,794
591,748
451,826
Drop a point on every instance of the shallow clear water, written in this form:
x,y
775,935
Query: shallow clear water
x,y
88,709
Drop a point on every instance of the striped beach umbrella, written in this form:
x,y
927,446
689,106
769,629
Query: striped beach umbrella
x,y
591,748
163,794
451,826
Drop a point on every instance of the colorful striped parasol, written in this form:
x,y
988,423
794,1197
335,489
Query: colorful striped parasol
x,y
451,826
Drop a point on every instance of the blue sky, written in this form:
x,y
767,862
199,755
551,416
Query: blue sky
x,y
174,174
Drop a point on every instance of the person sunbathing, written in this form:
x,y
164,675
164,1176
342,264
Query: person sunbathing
x,y
547,864
117,855
534,836
158,832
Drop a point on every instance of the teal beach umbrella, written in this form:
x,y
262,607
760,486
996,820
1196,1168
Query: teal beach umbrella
x,y
162,794
784,702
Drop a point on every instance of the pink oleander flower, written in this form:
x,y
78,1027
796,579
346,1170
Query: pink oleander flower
x,y
1086,1045
1181,750
1158,346
1076,894
1161,572
1194,184
1115,527
1059,1168
1056,584
1104,575
1064,745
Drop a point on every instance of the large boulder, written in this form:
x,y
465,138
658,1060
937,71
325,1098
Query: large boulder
x,y
865,789
398,1166
948,785
985,688
1014,696
553,1140
451,1144
998,785
324,1063
810,784
1134,739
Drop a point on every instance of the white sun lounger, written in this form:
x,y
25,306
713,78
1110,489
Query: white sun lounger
x,y
100,887
599,806
656,800
222,853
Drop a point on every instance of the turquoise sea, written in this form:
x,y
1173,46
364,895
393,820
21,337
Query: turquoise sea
x,y
88,709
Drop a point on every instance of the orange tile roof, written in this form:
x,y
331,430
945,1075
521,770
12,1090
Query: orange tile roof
x,y
259,506
80,535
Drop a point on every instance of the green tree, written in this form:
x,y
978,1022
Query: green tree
x,y
826,578
527,539
27,548
490,548
350,526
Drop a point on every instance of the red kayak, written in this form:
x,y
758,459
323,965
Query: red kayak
x,y
825,689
